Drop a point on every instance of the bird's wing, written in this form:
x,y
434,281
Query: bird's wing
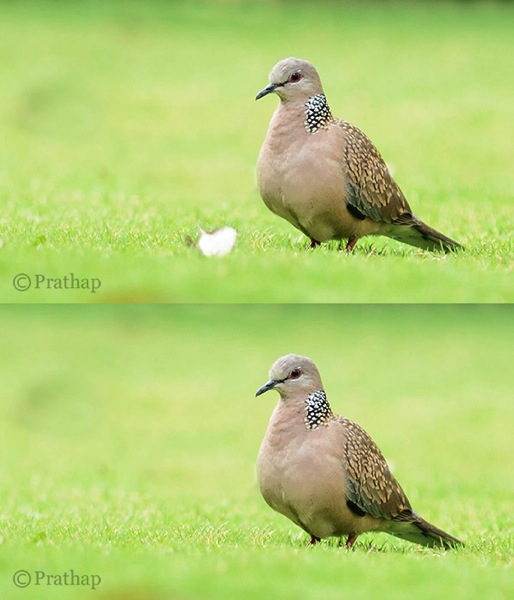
x,y
370,486
370,190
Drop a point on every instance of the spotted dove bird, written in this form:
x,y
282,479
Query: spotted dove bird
x,y
324,472
324,175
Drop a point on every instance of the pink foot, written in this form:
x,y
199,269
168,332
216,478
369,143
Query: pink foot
x,y
351,243
350,541
314,244
314,540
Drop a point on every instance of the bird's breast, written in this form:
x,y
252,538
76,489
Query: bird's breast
x,y
301,179
302,475
302,479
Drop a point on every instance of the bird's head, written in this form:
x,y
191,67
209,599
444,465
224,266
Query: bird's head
x,y
291,375
293,79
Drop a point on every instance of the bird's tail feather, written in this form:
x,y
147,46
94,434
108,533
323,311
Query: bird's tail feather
x,y
423,236
424,533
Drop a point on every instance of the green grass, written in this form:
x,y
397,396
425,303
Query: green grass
x,y
128,439
126,125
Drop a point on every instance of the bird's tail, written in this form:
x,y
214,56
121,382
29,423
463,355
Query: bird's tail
x,y
421,532
417,233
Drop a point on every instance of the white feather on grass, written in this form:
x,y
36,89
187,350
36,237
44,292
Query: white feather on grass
x,y
218,242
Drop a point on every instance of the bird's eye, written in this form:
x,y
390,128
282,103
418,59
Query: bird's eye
x,y
295,373
294,78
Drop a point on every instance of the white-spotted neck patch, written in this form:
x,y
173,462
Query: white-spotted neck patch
x,y
317,410
317,113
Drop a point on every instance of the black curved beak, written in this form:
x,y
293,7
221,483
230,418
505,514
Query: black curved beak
x,y
267,386
267,90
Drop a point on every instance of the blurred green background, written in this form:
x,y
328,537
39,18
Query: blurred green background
x,y
127,124
128,439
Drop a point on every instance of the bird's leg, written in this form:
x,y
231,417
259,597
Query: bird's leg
x,y
351,243
350,541
314,540
314,244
